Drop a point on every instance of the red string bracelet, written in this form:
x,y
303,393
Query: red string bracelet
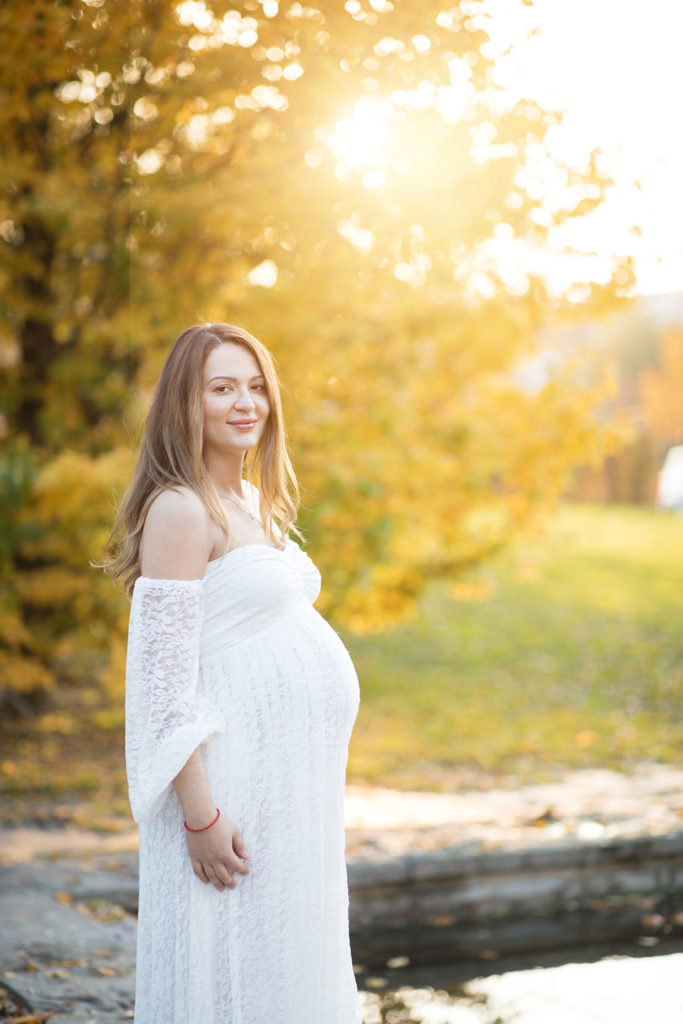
x,y
206,827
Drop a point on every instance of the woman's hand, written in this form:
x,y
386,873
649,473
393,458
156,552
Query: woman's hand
x,y
218,854
217,851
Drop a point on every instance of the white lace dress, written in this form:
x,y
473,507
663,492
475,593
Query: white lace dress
x,y
241,663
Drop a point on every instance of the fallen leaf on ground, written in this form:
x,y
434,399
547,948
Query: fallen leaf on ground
x,y
31,1018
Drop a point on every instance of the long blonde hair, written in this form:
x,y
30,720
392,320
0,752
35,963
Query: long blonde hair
x,y
171,452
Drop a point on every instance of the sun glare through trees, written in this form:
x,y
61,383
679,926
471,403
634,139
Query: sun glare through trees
x,y
356,182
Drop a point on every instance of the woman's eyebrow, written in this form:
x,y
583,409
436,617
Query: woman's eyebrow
x,y
222,376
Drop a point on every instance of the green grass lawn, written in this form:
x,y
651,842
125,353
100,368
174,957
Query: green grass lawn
x,y
574,659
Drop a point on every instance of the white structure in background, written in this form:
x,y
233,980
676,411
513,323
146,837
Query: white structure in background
x,y
670,480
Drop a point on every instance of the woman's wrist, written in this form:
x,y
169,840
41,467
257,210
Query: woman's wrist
x,y
204,828
199,815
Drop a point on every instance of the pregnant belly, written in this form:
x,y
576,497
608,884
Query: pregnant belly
x,y
329,669
296,667
289,702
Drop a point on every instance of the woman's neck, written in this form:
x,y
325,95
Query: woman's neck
x,y
226,475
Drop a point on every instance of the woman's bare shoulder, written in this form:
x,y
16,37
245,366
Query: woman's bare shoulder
x,y
180,504
176,538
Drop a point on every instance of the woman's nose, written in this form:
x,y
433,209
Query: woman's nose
x,y
244,399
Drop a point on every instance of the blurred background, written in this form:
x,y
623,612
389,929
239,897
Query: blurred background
x,y
457,226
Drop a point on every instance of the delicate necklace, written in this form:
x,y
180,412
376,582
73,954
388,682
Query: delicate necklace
x,y
242,505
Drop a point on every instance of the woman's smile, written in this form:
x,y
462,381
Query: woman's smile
x,y
242,424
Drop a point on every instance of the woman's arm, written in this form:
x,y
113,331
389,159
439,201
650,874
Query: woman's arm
x,y
176,544
217,853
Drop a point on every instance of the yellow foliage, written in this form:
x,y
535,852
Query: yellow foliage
x,y
62,724
471,590
13,632
71,505
23,673
53,584
62,611
113,676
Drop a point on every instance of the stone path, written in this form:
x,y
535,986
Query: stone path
x,y
55,954
65,947
595,804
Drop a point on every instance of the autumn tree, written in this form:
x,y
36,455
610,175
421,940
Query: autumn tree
x,y
340,178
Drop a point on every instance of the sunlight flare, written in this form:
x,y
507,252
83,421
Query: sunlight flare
x,y
363,140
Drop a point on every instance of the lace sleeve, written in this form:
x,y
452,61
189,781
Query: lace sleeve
x,y
166,718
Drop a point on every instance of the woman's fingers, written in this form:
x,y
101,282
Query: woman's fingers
x,y
238,856
219,876
233,863
218,884
224,876
199,871
238,847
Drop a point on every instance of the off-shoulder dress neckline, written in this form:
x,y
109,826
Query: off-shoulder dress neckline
x,y
245,547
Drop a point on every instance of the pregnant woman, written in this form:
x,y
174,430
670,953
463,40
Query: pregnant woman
x,y
240,700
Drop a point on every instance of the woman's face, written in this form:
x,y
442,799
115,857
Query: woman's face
x,y
236,406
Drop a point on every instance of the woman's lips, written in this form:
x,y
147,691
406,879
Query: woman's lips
x,y
243,424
